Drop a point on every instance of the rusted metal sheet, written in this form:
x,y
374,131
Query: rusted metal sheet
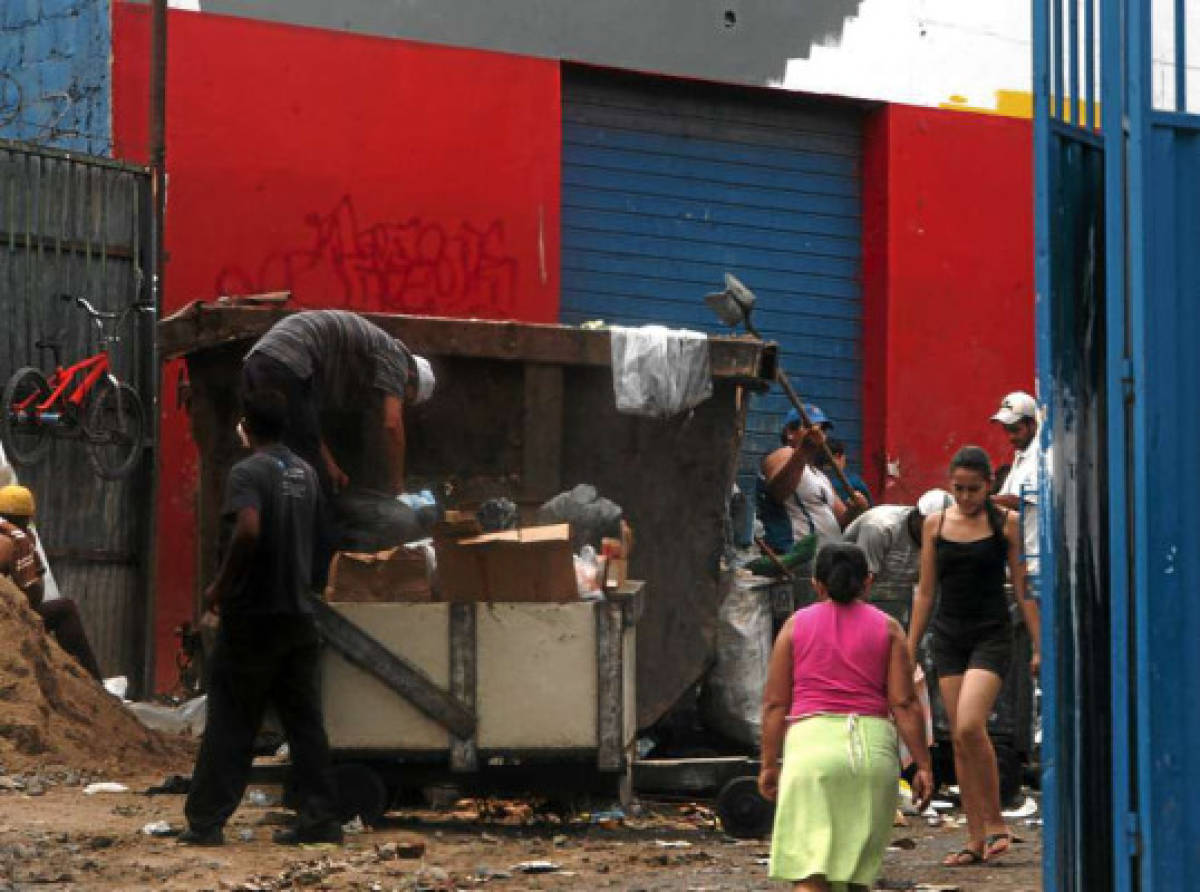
x,y
477,439
74,224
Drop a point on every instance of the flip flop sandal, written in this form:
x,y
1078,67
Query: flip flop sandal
x,y
992,841
955,859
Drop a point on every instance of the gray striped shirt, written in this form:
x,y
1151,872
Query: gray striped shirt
x,y
340,351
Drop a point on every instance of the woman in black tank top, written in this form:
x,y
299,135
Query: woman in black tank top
x,y
972,545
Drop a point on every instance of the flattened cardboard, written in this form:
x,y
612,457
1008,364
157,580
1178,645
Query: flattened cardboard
x,y
531,564
396,575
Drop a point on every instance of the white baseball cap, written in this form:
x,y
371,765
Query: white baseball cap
x,y
933,501
425,380
1015,406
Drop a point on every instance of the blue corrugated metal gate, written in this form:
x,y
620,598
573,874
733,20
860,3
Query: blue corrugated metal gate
x,y
668,185
1124,401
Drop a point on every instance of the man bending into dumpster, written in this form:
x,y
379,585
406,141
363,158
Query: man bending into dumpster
x,y
20,562
266,649
891,537
323,358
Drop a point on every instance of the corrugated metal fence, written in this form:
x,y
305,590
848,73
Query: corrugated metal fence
x,y
79,225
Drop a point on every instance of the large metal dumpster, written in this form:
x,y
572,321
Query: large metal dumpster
x,y
551,687
524,411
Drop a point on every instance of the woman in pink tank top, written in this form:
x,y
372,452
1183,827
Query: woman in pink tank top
x,y
840,674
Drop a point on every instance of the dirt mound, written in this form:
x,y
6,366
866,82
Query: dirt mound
x,y
51,711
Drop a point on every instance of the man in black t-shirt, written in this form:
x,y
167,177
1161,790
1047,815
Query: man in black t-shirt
x,y
266,650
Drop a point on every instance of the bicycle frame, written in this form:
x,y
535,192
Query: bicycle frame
x,y
95,367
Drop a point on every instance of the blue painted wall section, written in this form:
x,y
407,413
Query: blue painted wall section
x,y
667,186
55,84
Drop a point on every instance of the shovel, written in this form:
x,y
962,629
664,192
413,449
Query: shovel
x,y
733,306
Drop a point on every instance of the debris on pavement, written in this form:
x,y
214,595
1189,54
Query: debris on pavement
x,y
104,787
159,828
537,867
173,785
1026,809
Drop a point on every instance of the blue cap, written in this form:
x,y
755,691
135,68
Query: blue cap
x,y
814,413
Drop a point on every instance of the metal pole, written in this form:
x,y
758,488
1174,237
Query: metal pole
x,y
158,197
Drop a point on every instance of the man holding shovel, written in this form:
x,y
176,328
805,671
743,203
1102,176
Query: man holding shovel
x,y
795,498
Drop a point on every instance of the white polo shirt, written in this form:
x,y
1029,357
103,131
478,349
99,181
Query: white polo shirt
x,y
1023,481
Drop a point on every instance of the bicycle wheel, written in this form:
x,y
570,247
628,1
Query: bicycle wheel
x,y
26,439
115,423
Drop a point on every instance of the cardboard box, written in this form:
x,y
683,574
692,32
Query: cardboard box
x,y
457,525
398,574
532,564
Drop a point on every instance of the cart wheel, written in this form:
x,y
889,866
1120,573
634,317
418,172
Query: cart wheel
x,y
743,812
361,793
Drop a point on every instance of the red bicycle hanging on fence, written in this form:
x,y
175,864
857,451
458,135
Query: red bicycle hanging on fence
x,y
84,401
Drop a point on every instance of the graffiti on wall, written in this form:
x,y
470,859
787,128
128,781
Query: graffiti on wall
x,y
49,117
410,265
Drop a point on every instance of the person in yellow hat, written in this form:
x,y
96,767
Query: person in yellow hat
x,y
20,562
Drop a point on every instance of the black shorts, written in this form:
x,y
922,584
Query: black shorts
x,y
958,646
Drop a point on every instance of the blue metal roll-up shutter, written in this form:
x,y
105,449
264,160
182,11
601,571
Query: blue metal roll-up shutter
x,y
668,185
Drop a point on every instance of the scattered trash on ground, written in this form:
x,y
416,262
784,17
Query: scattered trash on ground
x,y
104,787
174,785
1026,809
159,828
261,798
186,718
537,867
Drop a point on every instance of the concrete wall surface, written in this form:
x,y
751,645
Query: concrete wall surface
x,y
55,88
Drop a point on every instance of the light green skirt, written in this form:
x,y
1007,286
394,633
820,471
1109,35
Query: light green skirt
x,y
837,799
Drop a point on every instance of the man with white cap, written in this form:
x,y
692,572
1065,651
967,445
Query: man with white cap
x,y
1018,414
333,358
891,537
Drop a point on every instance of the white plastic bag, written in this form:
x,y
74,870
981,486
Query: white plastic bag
x,y
187,718
660,371
732,699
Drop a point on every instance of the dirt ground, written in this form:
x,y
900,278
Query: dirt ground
x,y
60,838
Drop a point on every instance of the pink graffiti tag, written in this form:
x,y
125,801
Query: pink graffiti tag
x,y
412,265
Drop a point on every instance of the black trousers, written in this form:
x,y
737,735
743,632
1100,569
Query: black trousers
x,y
61,619
259,661
303,433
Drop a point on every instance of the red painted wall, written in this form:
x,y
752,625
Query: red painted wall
x,y
948,288
358,172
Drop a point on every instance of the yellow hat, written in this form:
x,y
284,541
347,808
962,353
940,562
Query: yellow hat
x,y
16,501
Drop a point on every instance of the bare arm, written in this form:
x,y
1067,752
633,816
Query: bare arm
x,y
242,546
1011,502
923,599
337,476
1029,607
907,712
777,699
846,512
783,469
393,429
